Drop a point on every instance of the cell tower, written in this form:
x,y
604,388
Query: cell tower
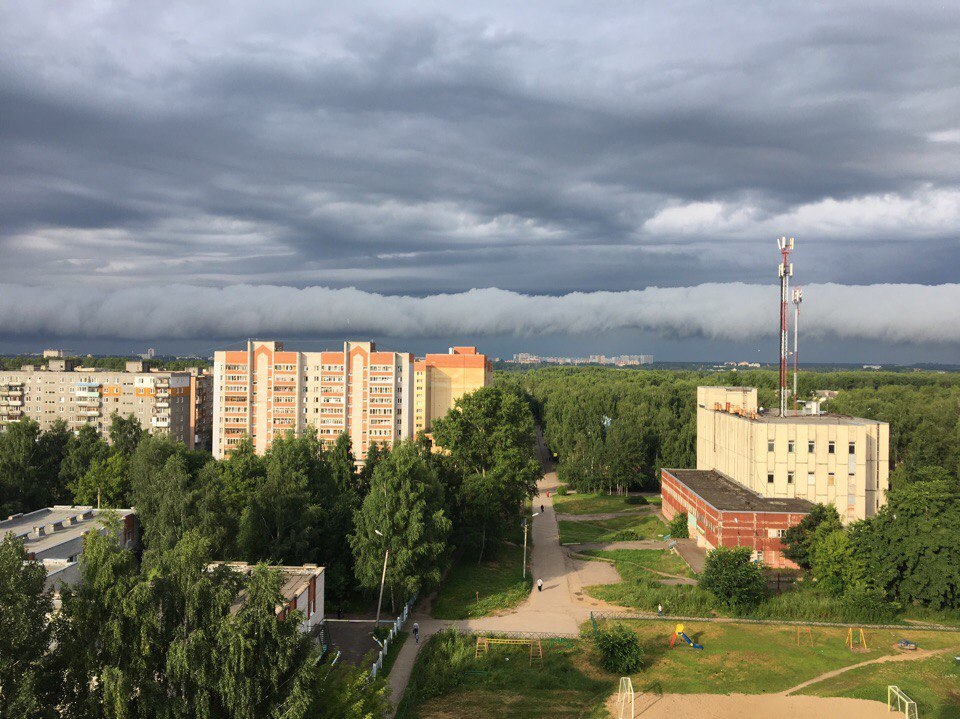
x,y
797,299
786,272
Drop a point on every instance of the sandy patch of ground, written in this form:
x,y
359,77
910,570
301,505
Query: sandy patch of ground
x,y
739,706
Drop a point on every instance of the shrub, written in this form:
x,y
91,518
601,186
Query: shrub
x,y
678,526
734,579
636,499
620,649
562,490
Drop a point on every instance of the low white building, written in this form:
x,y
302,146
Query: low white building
x,y
302,590
54,536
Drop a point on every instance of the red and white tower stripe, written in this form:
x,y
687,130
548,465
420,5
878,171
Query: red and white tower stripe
x,y
786,271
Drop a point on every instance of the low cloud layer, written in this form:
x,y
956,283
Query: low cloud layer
x,y
896,313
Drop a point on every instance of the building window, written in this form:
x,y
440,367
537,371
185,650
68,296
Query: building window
x,y
831,480
769,477
831,447
811,479
770,445
811,446
790,446
789,477
853,448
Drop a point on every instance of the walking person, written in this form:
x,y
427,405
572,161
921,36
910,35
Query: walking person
x,y
541,509
416,632
539,585
659,609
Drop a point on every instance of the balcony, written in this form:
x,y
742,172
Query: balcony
x,y
88,402
160,422
162,404
11,401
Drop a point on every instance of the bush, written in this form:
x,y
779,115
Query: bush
x,y
562,490
636,499
734,579
678,526
813,604
620,650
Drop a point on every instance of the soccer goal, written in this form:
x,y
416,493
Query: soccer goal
x,y
625,699
903,703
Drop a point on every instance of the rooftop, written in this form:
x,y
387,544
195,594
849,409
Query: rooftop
x,y
56,532
721,492
772,418
296,579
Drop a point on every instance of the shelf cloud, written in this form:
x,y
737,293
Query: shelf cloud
x,y
895,313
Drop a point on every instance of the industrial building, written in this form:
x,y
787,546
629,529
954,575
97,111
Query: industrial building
x,y
265,391
302,589
54,536
758,472
172,403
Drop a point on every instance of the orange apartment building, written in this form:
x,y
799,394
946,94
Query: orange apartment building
x,y
265,391
439,379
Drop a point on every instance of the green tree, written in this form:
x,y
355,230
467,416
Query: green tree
x,y
405,505
125,433
342,467
83,449
733,578
620,649
678,527
22,487
833,562
24,631
52,447
799,540
106,483
241,474
912,546
92,635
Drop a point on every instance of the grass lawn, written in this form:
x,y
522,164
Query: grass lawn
x,y
933,683
498,580
591,503
452,683
395,646
645,526
661,560
755,659
737,658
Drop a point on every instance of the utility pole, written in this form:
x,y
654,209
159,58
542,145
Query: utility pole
x,y
383,579
786,271
797,299
535,514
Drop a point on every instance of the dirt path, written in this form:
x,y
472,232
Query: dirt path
x,y
560,608
739,706
904,657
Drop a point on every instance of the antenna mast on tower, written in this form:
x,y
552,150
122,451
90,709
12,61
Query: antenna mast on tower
x,y
786,271
797,299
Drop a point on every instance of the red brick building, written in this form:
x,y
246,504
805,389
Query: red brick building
x,y
723,513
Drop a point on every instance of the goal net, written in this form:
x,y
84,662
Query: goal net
x,y
625,699
903,703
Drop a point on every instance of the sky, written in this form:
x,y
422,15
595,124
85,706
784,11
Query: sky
x,y
555,177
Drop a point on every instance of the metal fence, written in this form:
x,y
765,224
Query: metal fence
x,y
395,626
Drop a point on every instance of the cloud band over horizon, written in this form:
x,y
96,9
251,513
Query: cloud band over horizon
x,y
891,313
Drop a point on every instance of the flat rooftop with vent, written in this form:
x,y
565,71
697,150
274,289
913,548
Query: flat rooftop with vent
x,y
54,536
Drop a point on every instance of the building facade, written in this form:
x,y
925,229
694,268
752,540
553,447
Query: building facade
x,y
823,458
758,473
265,391
440,379
163,402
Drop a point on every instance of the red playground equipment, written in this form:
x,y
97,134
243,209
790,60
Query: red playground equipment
x,y
678,632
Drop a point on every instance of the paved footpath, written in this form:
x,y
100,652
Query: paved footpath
x,y
559,609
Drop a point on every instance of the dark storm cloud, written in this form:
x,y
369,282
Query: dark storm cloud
x,y
419,148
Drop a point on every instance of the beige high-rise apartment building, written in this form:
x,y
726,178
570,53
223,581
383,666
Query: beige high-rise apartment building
x,y
266,391
163,402
439,379
823,458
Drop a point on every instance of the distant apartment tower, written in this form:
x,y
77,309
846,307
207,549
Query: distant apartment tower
x,y
440,379
265,391
162,402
